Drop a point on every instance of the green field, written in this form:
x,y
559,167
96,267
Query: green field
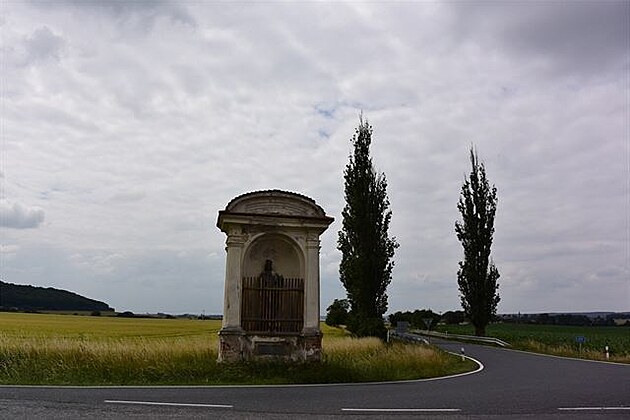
x,y
558,339
80,350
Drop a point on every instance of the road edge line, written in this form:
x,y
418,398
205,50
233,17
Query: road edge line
x,y
167,404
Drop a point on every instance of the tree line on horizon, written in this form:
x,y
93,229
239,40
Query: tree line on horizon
x,y
422,319
337,315
580,320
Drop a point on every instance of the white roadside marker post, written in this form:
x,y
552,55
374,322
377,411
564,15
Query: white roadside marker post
x,y
607,353
463,354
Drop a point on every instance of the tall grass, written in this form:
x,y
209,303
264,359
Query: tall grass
x,y
79,361
368,358
149,352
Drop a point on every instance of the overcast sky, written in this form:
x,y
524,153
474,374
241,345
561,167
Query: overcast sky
x,y
127,126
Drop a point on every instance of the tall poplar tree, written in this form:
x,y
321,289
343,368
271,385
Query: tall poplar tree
x,y
477,275
366,248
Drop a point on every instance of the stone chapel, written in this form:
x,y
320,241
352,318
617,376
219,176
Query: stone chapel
x,y
271,298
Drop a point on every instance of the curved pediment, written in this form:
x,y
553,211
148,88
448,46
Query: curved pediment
x,y
275,202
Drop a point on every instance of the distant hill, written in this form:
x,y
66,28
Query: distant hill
x,y
31,298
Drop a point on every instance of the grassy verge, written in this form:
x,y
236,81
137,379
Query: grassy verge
x,y
68,350
559,340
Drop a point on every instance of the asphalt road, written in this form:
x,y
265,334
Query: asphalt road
x,y
511,385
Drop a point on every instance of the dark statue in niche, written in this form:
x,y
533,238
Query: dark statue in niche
x,y
269,278
271,284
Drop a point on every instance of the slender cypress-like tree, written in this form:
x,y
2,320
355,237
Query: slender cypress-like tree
x,y
366,248
477,276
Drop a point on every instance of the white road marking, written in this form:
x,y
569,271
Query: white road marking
x,y
592,408
402,410
168,404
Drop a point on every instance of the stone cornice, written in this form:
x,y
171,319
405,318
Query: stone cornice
x,y
226,219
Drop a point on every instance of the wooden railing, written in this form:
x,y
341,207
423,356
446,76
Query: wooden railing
x,y
272,306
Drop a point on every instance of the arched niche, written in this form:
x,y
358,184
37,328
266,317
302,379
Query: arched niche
x,y
284,252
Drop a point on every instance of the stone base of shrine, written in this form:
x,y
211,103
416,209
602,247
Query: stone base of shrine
x,y
236,345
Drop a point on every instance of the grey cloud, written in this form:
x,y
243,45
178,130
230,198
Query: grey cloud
x,y
18,216
573,37
44,44
128,196
138,16
40,46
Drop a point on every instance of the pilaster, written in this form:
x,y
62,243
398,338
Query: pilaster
x,y
232,295
311,292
